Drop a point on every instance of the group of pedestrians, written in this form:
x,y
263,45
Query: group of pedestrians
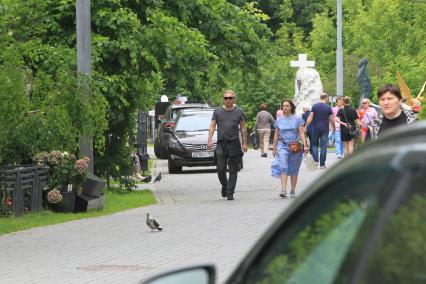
x,y
295,136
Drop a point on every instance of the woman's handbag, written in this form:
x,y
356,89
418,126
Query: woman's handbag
x,y
295,146
353,131
309,162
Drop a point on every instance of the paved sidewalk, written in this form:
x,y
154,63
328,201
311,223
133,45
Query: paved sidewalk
x,y
199,226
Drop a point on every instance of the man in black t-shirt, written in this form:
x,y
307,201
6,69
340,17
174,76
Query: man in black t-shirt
x,y
229,120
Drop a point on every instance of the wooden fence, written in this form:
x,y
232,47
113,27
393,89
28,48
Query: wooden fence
x,y
25,185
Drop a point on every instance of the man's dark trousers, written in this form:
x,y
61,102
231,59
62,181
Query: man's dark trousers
x,y
223,157
320,139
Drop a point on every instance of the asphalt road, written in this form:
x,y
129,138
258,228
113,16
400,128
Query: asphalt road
x,y
199,227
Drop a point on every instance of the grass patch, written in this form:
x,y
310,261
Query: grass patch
x,y
115,201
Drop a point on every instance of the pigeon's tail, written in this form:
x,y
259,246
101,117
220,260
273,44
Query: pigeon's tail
x,y
147,179
156,225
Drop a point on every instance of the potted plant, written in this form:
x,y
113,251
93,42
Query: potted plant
x,y
65,177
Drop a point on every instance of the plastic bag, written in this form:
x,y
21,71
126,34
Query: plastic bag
x,y
309,162
254,140
331,139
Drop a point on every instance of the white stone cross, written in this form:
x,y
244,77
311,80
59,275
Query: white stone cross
x,y
303,62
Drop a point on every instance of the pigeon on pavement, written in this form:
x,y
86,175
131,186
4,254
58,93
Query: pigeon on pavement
x,y
152,224
158,177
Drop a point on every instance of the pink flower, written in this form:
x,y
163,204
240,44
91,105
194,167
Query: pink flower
x,y
8,201
54,196
81,165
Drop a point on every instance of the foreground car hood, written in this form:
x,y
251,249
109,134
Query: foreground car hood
x,y
194,137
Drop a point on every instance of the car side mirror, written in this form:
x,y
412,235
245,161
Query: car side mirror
x,y
204,274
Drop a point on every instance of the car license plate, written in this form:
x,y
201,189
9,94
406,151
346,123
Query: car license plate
x,y
202,154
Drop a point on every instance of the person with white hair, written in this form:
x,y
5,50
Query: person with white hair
x,y
367,115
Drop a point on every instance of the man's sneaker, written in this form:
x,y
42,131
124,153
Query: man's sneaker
x,y
223,192
292,194
322,167
230,196
283,194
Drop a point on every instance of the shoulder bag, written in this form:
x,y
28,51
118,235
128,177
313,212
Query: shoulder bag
x,y
353,132
295,146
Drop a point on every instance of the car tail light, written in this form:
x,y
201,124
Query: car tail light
x,y
170,124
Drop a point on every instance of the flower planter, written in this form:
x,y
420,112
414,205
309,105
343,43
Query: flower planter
x,y
67,204
93,185
85,202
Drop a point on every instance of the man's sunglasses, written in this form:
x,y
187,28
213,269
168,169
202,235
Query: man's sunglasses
x,y
228,98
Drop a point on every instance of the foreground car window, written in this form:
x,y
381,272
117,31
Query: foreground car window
x,y
324,242
399,256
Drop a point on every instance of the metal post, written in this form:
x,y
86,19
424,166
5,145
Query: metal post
x,y
339,51
142,139
142,136
84,69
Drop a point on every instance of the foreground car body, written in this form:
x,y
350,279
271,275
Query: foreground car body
x,y
188,141
361,222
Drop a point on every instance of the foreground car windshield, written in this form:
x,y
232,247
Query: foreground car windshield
x,y
194,121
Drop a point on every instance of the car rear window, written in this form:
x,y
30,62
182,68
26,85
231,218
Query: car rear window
x,y
194,121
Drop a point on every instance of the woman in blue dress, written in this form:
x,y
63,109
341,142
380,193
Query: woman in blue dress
x,y
288,129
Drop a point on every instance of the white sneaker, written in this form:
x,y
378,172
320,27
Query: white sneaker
x,y
292,194
283,194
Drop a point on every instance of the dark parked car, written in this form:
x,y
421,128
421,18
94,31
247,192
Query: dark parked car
x,y
363,221
188,141
168,120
